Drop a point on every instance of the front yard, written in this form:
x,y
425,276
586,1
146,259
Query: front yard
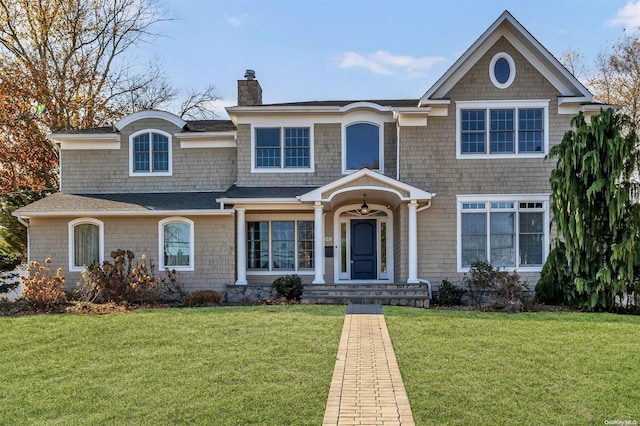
x,y
272,365
223,366
541,368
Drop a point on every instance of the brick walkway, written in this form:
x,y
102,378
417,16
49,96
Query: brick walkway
x,y
366,388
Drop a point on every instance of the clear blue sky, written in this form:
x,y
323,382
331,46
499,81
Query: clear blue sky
x,y
319,50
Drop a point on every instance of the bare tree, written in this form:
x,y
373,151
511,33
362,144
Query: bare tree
x,y
198,105
617,77
574,61
67,64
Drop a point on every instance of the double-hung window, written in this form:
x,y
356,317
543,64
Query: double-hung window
x,y
150,153
509,233
502,128
280,245
283,148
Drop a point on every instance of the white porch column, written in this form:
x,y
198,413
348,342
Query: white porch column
x,y
318,243
413,243
241,247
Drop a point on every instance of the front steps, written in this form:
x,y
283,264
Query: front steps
x,y
400,294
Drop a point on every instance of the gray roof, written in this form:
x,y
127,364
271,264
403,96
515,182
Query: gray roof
x,y
266,191
192,126
209,126
340,103
130,203
93,130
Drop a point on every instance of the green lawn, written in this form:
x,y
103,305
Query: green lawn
x,y
224,366
272,365
543,368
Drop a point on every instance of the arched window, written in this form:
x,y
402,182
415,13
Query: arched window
x,y
362,147
176,244
86,243
150,153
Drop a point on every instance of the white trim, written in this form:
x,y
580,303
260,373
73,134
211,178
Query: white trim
x,y
192,243
318,244
364,105
512,70
380,126
169,172
506,198
209,144
414,193
71,227
502,104
413,242
263,118
78,141
282,168
241,247
142,115
88,144
207,139
337,250
201,212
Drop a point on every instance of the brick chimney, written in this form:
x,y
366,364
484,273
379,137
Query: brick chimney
x,y
249,90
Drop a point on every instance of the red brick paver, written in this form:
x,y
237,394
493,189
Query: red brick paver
x,y
367,388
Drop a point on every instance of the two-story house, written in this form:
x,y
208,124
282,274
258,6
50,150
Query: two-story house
x,y
361,191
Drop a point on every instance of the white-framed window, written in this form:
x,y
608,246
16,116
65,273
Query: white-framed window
x,y
362,146
282,149
488,129
280,245
502,70
176,244
86,243
150,153
510,232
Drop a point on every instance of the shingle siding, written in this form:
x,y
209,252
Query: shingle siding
x,y
214,247
428,161
194,169
328,158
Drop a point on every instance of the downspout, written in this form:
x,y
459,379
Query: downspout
x,y
397,150
423,281
26,225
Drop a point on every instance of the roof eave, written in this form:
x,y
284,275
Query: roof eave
x,y
111,213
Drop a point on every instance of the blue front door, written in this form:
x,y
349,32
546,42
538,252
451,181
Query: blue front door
x,y
363,249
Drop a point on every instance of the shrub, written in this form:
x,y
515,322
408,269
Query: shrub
x,y
448,294
483,277
555,286
8,262
8,281
42,286
289,286
125,281
202,298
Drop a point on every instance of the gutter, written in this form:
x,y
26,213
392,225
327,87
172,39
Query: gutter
x,y
426,206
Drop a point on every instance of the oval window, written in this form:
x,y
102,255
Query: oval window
x,y
502,70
